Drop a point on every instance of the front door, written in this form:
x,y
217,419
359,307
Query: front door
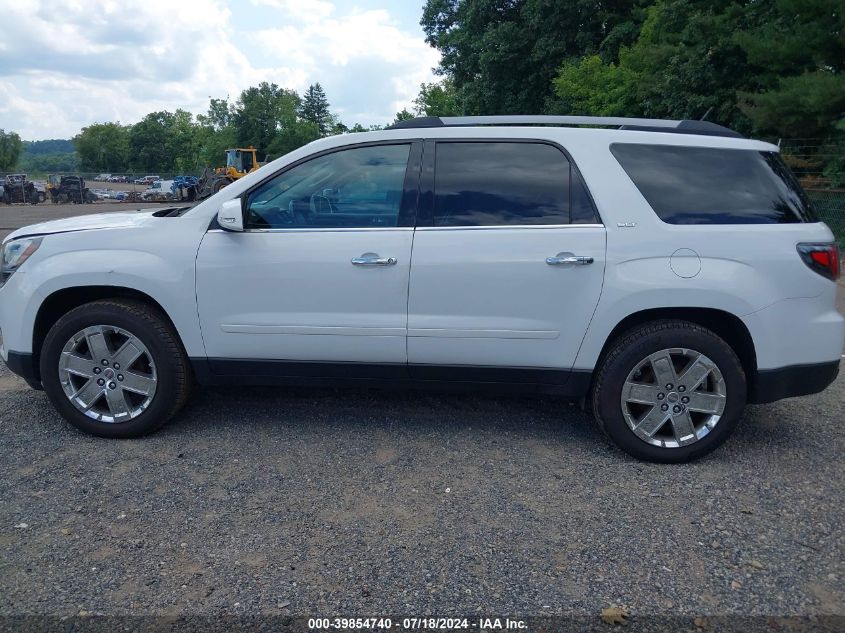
x,y
507,266
320,273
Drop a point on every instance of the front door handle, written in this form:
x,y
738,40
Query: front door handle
x,y
372,259
562,259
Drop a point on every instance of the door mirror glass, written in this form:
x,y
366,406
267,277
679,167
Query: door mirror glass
x,y
230,215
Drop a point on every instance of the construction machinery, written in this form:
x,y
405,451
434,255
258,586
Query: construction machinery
x,y
16,188
53,182
71,189
239,163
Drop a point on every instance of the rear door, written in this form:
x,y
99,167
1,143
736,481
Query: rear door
x,y
507,265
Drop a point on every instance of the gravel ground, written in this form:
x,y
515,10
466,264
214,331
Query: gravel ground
x,y
324,502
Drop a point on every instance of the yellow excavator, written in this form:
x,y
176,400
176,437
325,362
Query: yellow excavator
x,y
239,163
53,182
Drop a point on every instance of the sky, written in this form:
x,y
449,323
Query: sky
x,y
65,64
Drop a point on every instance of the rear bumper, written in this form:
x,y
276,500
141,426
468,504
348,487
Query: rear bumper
x,y
23,364
788,382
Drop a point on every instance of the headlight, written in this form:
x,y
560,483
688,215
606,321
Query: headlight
x,y
15,253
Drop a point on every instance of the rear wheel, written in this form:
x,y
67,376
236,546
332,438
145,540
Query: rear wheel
x,y
115,368
669,391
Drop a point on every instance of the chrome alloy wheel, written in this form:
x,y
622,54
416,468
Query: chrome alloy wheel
x,y
107,373
673,397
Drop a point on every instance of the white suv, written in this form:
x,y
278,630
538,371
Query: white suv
x,y
664,272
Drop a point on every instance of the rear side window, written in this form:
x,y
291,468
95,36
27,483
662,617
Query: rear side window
x,y
507,184
703,185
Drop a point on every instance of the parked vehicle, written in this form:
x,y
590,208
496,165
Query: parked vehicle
x,y
72,189
119,179
102,177
18,189
159,191
40,190
147,180
662,273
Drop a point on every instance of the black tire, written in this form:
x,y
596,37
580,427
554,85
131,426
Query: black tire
x,y
154,331
637,344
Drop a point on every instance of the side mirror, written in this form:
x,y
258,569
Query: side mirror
x,y
230,215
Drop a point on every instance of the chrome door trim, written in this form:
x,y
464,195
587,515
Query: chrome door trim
x,y
505,226
374,229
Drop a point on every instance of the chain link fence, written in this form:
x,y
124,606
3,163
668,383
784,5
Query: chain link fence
x,y
820,168
830,206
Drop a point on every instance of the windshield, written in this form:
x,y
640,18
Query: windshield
x,y
233,159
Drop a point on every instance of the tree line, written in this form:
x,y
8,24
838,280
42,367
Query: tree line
x,y
272,119
770,69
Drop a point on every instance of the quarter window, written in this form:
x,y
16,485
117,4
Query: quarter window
x,y
708,185
506,184
352,188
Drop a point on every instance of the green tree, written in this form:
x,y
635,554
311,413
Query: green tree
x,y
103,147
438,99
260,113
683,64
215,132
32,163
165,142
590,87
798,50
402,115
293,135
315,108
503,54
10,149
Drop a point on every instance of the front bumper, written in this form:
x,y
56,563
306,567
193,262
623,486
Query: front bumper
x,y
788,382
23,364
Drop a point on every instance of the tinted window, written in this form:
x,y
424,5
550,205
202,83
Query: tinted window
x,y
700,185
490,184
358,188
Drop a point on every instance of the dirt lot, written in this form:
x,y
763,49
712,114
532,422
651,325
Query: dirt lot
x,y
262,502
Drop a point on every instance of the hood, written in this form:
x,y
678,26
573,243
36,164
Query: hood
x,y
116,220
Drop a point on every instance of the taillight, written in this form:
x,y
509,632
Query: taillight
x,y
822,258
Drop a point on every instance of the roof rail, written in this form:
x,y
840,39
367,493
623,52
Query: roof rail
x,y
706,128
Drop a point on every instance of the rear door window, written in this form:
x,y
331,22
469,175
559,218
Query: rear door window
x,y
704,185
507,184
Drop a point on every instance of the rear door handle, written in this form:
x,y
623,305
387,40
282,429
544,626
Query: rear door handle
x,y
562,259
373,259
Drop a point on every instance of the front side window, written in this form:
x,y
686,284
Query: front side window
x,y
706,185
353,188
506,184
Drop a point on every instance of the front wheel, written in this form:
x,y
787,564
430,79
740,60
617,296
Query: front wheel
x,y
115,368
669,391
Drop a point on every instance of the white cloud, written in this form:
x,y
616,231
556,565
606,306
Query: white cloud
x,y
363,56
66,64
308,10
